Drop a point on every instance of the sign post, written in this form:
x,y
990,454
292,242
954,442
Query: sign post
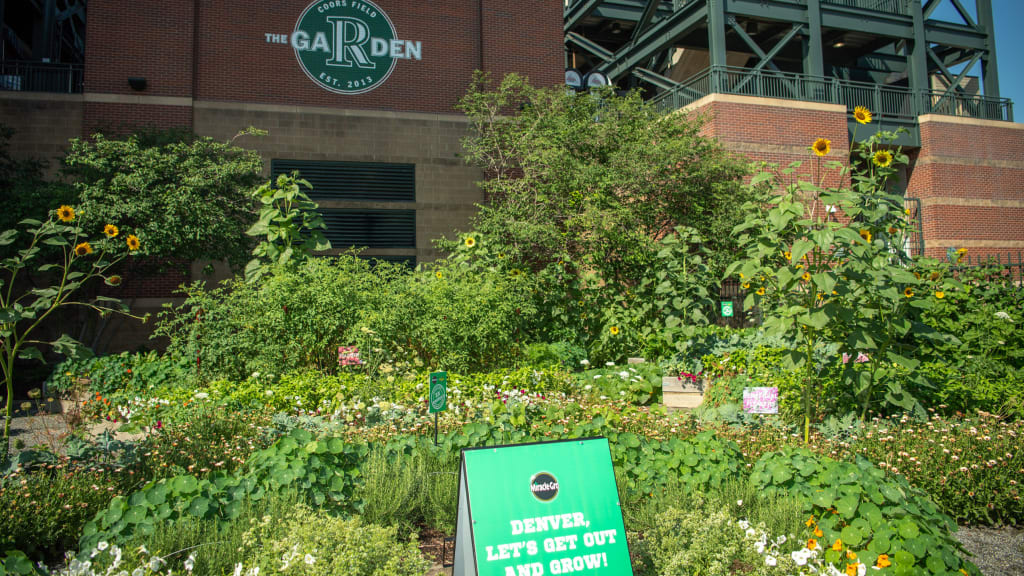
x,y
438,401
540,509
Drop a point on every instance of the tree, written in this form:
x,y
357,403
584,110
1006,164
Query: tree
x,y
188,198
595,177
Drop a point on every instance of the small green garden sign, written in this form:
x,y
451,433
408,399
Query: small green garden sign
x,y
727,309
438,392
539,509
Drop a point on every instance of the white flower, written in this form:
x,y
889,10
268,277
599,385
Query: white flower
x,y
190,562
139,571
604,397
622,392
861,569
799,557
751,532
597,376
309,559
609,363
770,560
156,563
587,387
201,395
269,392
743,524
143,550
238,569
585,362
759,546
623,374
781,539
1003,315
739,502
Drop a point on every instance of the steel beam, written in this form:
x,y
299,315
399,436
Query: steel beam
x,y
577,11
590,46
655,78
988,60
645,18
814,53
764,58
658,37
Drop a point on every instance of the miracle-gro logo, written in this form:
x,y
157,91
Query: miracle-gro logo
x,y
347,46
544,486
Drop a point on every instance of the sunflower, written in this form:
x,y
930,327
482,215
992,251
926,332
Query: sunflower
x,y
934,276
746,285
470,242
438,275
806,276
787,254
83,249
882,158
133,242
66,213
110,230
862,115
114,280
613,330
866,235
822,147
760,291
940,294
515,272
908,292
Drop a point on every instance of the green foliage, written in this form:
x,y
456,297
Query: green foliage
x,y
592,177
31,290
636,383
819,280
45,509
310,542
563,354
126,373
323,470
701,538
865,511
236,330
186,199
288,224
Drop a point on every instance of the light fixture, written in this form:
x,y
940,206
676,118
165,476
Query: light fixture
x,y
137,83
839,44
616,28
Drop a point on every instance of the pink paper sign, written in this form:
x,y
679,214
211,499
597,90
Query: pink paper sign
x,y
762,400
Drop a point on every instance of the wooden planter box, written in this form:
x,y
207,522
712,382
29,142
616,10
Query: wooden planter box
x,y
681,393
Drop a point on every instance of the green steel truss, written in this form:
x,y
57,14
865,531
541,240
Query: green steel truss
x,y
892,56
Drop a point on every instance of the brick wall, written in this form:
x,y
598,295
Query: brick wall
x,y
218,50
118,118
777,131
42,123
969,175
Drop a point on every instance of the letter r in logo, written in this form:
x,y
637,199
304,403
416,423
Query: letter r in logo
x,y
350,34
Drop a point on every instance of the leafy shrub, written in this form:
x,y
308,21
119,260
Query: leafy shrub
x,y
44,510
565,355
703,539
855,507
310,542
120,375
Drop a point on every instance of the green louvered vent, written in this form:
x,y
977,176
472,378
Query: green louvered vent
x,y
376,181
370,228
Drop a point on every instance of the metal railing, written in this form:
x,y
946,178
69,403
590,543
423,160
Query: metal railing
x,y
889,102
890,6
21,76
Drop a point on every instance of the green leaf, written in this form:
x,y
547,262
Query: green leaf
x,y
851,536
184,484
8,236
31,353
908,529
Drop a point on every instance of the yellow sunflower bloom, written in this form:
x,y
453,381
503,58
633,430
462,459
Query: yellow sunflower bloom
x,y
110,230
806,276
760,291
83,249
788,255
882,158
908,292
862,115
438,275
746,285
822,146
133,242
66,213
614,330
940,294
866,235
470,242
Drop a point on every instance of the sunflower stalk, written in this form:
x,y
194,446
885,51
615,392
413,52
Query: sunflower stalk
x,y
23,313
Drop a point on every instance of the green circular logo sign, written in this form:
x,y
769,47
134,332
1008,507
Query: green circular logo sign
x,y
348,46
